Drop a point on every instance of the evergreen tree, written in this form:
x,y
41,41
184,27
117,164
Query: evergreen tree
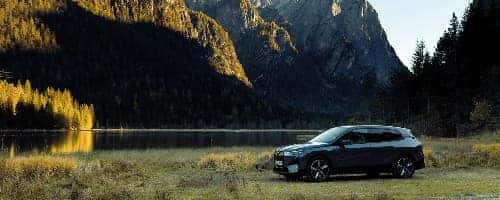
x,y
419,58
22,107
445,87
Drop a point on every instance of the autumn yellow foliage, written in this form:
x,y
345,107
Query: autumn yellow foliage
x,y
23,107
492,151
430,157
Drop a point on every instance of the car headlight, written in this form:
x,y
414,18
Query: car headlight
x,y
294,153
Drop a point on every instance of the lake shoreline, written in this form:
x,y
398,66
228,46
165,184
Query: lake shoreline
x,y
133,139
166,130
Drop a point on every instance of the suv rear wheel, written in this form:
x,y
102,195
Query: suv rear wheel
x,y
318,169
403,167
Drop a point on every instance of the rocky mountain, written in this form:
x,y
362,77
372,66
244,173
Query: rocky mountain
x,y
141,63
201,63
264,47
333,28
174,15
342,53
486,4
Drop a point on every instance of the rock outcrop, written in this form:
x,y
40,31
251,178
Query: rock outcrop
x,y
329,55
263,47
346,34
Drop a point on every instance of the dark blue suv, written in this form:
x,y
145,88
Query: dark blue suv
x,y
352,149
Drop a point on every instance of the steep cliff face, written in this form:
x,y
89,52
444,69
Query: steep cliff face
x,y
345,34
176,16
263,46
342,53
486,4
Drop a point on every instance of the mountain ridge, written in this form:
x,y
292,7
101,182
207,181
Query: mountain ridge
x,y
156,63
335,63
140,63
259,43
356,21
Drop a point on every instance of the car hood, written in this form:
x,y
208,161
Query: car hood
x,y
302,146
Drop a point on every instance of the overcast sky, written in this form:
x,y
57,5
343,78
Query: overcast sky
x,y
405,21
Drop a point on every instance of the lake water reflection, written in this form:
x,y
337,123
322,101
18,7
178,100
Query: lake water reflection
x,y
85,142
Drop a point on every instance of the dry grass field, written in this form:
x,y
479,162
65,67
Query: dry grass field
x,y
467,168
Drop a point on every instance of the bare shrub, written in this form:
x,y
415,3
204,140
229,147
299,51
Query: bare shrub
x,y
430,158
35,166
487,154
240,161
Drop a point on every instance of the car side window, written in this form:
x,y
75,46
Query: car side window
x,y
355,136
391,136
373,136
376,136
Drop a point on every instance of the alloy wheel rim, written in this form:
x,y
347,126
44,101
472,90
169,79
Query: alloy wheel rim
x,y
404,167
319,170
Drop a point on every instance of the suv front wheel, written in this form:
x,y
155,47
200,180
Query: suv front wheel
x,y
318,169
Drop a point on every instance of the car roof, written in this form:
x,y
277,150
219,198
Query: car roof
x,y
377,127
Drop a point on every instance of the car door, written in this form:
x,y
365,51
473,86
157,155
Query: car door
x,y
354,153
381,143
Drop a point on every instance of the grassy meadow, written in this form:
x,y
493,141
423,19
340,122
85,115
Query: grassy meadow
x,y
464,168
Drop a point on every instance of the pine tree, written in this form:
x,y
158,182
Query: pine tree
x,y
22,107
419,58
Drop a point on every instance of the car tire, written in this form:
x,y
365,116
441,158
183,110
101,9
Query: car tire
x,y
403,167
318,169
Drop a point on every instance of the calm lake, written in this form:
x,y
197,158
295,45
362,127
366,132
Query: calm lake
x,y
85,142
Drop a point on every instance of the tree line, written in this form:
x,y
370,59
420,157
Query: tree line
x,y
23,107
454,90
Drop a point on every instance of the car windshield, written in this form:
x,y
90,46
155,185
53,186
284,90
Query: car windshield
x,y
330,135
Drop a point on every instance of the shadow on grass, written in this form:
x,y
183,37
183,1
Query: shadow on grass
x,y
342,178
